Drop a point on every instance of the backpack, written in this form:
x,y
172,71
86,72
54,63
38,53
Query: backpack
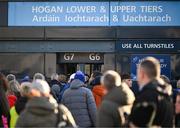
x,y
65,118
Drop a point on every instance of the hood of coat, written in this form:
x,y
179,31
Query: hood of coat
x,y
166,88
99,90
160,86
75,84
121,95
40,106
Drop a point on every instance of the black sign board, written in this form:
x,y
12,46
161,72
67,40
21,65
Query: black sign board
x,y
81,58
148,46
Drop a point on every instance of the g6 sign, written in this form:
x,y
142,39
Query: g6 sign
x,y
94,56
68,56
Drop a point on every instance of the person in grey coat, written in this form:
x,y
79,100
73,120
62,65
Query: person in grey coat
x,y
42,110
117,103
80,101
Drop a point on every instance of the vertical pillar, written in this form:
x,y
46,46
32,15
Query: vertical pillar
x,y
4,13
50,64
109,61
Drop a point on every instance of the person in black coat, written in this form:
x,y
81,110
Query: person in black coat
x,y
151,91
177,110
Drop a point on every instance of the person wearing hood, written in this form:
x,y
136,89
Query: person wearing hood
x,y
20,103
116,103
13,92
80,101
41,110
98,91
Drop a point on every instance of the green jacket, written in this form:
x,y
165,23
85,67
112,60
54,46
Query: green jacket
x,y
14,117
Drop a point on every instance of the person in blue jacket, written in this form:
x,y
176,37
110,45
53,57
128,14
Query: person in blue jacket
x,y
80,101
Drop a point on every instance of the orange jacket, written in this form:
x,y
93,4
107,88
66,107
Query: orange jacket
x,y
98,91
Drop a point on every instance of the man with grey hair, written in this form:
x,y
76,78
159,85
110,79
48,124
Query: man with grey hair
x,y
151,91
116,102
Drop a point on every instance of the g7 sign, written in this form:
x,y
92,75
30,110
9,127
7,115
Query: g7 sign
x,y
68,56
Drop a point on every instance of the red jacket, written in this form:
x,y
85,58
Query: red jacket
x,y
98,91
12,100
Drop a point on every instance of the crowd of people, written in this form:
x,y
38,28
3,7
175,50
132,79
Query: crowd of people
x,y
103,100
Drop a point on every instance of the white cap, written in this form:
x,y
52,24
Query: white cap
x,y
72,76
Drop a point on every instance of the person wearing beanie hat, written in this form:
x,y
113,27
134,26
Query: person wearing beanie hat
x,y
41,112
20,103
38,76
80,76
11,77
80,101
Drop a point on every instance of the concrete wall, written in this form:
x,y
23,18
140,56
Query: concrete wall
x,y
22,63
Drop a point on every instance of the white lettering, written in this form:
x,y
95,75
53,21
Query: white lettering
x,y
127,9
46,18
151,9
144,18
47,9
81,9
82,18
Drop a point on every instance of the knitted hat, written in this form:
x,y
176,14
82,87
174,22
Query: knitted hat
x,y
38,76
80,76
41,85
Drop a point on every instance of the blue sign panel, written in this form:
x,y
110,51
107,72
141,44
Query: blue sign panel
x,y
147,46
159,13
153,13
58,14
164,62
